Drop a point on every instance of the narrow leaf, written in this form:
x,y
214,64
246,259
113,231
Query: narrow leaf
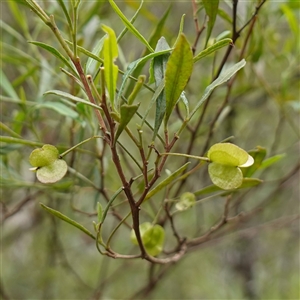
x,y
127,112
133,65
60,108
129,25
6,86
91,62
247,183
178,71
166,182
67,219
55,52
211,49
211,9
110,53
224,76
159,70
271,160
258,155
71,97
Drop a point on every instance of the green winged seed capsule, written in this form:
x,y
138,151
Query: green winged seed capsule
x,y
225,177
230,155
53,172
43,156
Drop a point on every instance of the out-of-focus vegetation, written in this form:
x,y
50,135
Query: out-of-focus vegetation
x,y
256,256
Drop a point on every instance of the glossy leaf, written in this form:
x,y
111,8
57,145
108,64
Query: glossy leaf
x,y
224,76
211,9
129,25
213,48
110,53
227,154
68,220
166,181
53,172
178,71
225,177
127,112
44,156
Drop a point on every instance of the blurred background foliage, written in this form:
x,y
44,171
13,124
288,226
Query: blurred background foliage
x,y
44,258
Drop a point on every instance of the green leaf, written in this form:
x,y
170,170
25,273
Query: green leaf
x,y
247,183
224,15
211,49
72,98
157,33
136,89
166,181
67,219
99,212
6,86
53,172
211,8
110,53
258,155
185,101
44,156
60,108
224,76
94,55
127,112
271,160
159,68
225,177
129,25
55,52
178,71
227,154
133,65
186,201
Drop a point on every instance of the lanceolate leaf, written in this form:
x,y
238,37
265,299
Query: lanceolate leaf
x,y
67,219
96,51
129,25
127,112
225,76
132,66
166,182
55,53
178,71
159,69
247,183
110,53
211,8
212,49
60,108
72,98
